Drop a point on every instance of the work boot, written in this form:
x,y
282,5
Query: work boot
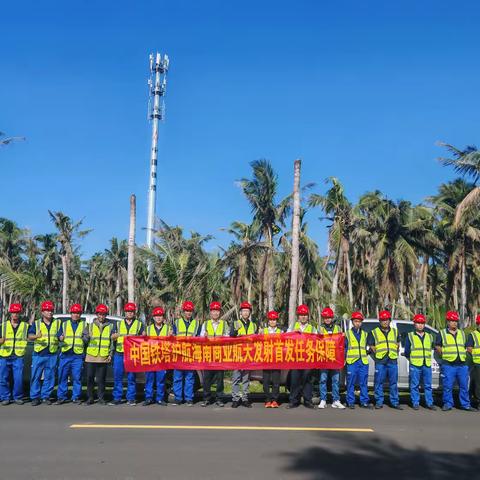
x,y
351,406
46,401
235,404
309,405
246,404
113,403
77,401
101,401
19,402
189,403
90,401
175,403
6,402
431,407
369,406
147,402
219,403
292,405
446,409
162,403
60,402
131,403
415,407
397,407
468,409
378,407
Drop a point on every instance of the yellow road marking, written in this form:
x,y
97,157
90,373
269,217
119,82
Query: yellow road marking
x,y
219,427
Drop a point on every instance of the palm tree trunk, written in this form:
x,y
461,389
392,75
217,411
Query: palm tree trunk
x,y
463,293
338,267
131,250
349,274
118,282
269,273
64,284
295,244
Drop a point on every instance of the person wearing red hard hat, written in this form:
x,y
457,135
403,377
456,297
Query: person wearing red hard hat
x,y
384,342
45,334
158,328
451,346
13,343
473,348
328,327
214,327
418,350
184,380
99,350
244,326
128,326
271,378
71,356
301,380
356,358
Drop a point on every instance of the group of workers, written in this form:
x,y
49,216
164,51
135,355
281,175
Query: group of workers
x,y
73,345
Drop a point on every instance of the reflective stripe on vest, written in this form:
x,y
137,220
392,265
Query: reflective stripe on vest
x,y
385,345
211,332
124,330
164,331
307,329
357,351
240,328
451,349
73,339
15,341
322,330
476,347
99,343
421,352
266,332
49,337
183,331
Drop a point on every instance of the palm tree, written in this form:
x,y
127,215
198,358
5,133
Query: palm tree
x,y
339,211
116,270
68,231
261,192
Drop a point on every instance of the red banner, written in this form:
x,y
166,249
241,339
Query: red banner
x,y
284,351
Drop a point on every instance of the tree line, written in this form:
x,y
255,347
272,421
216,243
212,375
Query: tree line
x,y
382,253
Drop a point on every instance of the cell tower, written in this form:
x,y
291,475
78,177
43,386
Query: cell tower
x,y
157,84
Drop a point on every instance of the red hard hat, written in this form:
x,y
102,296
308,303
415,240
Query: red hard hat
x,y
130,307
384,315
215,306
158,311
101,308
188,306
477,320
357,316
302,310
327,313
76,308
452,316
245,305
47,306
419,318
15,308
272,315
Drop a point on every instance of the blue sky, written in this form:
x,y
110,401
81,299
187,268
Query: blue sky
x,y
360,90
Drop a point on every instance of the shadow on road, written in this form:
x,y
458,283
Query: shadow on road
x,y
370,457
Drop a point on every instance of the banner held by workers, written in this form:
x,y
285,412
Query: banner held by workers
x,y
250,352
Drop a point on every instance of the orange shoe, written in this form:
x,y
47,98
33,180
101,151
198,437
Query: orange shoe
x,y
268,404
274,404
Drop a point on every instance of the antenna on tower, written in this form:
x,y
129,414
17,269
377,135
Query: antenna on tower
x,y
157,85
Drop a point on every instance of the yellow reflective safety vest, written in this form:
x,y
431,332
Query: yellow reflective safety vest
x,y
165,331
356,350
49,337
308,329
183,330
476,347
323,331
100,341
221,328
385,344
15,340
241,330
266,332
420,352
73,339
124,330
453,346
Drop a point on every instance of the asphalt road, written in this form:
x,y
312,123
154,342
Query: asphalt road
x,y
40,443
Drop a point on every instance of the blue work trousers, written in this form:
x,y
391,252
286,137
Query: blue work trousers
x,y
70,366
11,367
450,373
118,372
384,371
335,376
46,364
156,379
357,373
417,374
183,384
